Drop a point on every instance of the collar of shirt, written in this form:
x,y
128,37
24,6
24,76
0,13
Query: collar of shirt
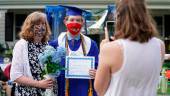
x,y
75,38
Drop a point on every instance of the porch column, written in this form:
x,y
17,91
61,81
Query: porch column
x,y
2,25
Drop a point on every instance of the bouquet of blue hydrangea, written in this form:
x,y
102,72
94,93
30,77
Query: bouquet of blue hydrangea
x,y
50,60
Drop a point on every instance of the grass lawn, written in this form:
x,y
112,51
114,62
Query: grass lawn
x,y
167,94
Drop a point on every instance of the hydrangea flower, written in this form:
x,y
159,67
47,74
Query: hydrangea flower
x,y
50,59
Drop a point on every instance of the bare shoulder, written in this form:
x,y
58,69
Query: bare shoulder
x,y
112,46
162,44
112,54
162,50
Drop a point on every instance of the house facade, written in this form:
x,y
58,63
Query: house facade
x,y
14,12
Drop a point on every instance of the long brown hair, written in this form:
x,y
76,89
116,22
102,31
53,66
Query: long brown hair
x,y
134,22
27,27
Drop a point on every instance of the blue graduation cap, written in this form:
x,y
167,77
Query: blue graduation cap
x,y
73,11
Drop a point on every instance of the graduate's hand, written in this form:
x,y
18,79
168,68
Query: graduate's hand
x,y
106,38
92,73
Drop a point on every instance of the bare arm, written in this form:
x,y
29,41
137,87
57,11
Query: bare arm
x,y
162,51
103,74
110,60
47,83
102,78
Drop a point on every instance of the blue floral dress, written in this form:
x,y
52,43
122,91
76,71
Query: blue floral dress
x,y
33,51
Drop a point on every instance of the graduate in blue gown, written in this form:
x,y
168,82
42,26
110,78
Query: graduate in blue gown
x,y
79,45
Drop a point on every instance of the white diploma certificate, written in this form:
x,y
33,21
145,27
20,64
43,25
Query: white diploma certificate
x,y
78,66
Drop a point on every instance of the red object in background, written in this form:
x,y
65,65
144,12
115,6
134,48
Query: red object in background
x,y
167,74
7,71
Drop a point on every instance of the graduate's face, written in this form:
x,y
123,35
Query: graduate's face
x,y
74,24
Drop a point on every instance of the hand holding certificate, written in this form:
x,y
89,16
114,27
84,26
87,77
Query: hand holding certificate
x,y
79,66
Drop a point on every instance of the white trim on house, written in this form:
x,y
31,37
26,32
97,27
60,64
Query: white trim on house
x,y
96,6
40,4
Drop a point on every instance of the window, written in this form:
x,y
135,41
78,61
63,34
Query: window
x,y
159,22
9,17
13,23
167,34
19,19
164,30
167,28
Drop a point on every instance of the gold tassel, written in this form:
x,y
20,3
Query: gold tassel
x,y
67,80
90,91
67,88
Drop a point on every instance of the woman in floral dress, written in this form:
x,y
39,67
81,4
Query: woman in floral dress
x,y
26,70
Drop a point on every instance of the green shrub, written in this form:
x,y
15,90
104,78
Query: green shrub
x,y
2,50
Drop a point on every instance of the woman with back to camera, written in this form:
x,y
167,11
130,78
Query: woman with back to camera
x,y
130,65
25,69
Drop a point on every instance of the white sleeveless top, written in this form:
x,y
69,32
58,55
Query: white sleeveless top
x,y
139,74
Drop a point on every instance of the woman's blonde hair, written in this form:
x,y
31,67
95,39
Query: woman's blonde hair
x,y
27,27
134,22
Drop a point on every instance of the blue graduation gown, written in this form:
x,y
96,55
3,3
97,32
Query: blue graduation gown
x,y
77,87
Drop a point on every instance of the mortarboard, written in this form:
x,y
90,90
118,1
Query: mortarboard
x,y
73,11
